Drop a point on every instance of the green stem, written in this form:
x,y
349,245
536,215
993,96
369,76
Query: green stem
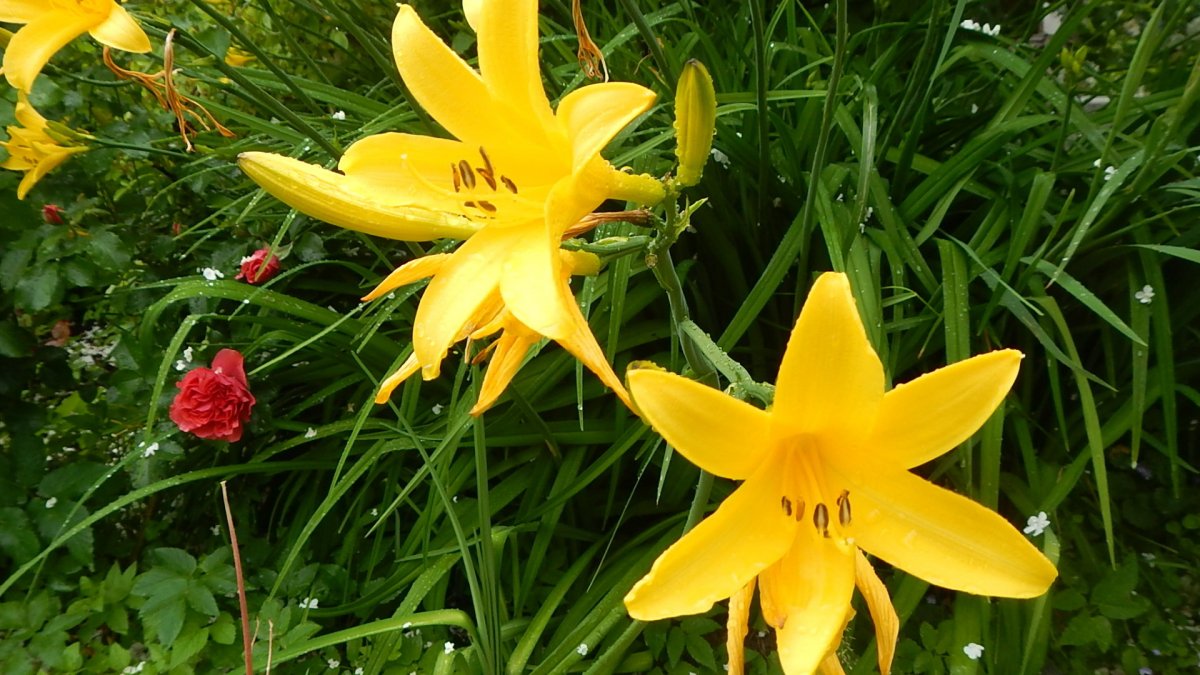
x,y
699,500
656,50
109,143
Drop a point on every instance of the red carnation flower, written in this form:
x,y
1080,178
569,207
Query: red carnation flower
x,y
52,213
254,271
215,402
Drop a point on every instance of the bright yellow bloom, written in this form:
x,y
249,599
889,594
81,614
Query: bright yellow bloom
x,y
51,24
31,149
826,473
516,179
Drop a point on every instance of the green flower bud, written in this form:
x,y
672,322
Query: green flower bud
x,y
695,120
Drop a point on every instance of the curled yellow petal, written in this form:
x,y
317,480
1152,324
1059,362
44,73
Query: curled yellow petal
x,y
695,121
335,199
406,369
715,431
507,356
737,627
591,116
410,272
120,31
883,613
31,47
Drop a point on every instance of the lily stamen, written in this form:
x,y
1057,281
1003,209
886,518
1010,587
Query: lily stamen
x,y
821,519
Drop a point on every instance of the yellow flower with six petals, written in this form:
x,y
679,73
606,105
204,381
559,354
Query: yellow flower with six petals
x,y
518,176
51,24
826,473
31,149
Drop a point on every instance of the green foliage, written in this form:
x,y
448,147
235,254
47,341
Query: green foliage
x,y
980,191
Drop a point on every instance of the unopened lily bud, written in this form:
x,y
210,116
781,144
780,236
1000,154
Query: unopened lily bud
x,y
695,121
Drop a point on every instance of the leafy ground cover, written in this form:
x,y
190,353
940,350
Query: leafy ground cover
x,y
987,175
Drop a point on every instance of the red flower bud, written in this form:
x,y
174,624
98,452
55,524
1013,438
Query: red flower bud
x,y
255,271
214,403
52,213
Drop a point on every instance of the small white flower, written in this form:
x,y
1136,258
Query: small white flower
x,y
974,108
150,450
181,365
970,24
339,115
582,649
973,651
1146,295
212,274
1096,163
310,433
358,670
720,157
130,670
438,408
51,502
309,603
407,625
1109,171
1036,524
374,513
215,529
777,202
187,354
448,647
334,663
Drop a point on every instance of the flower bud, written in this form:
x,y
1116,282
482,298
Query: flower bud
x,y
695,121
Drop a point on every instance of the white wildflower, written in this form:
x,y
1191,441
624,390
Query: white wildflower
x,y
339,115
51,502
310,433
1109,171
720,158
187,354
973,651
448,647
150,450
309,603
333,663
438,408
1036,525
212,274
358,670
1146,295
130,670
582,649
181,365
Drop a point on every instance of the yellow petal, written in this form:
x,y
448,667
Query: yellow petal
x,y
715,431
581,343
120,31
883,613
455,295
47,162
737,627
22,11
406,169
508,61
333,198
511,348
809,592
591,116
31,47
831,665
530,281
747,534
30,118
942,537
922,419
410,272
831,381
447,88
406,369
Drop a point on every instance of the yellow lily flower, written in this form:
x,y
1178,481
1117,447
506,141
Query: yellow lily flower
x,y
51,24
31,149
826,473
517,178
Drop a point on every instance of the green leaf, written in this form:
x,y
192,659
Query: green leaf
x,y
17,538
201,599
1084,630
175,559
37,291
15,342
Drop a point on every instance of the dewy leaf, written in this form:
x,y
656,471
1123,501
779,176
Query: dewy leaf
x,y
695,121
